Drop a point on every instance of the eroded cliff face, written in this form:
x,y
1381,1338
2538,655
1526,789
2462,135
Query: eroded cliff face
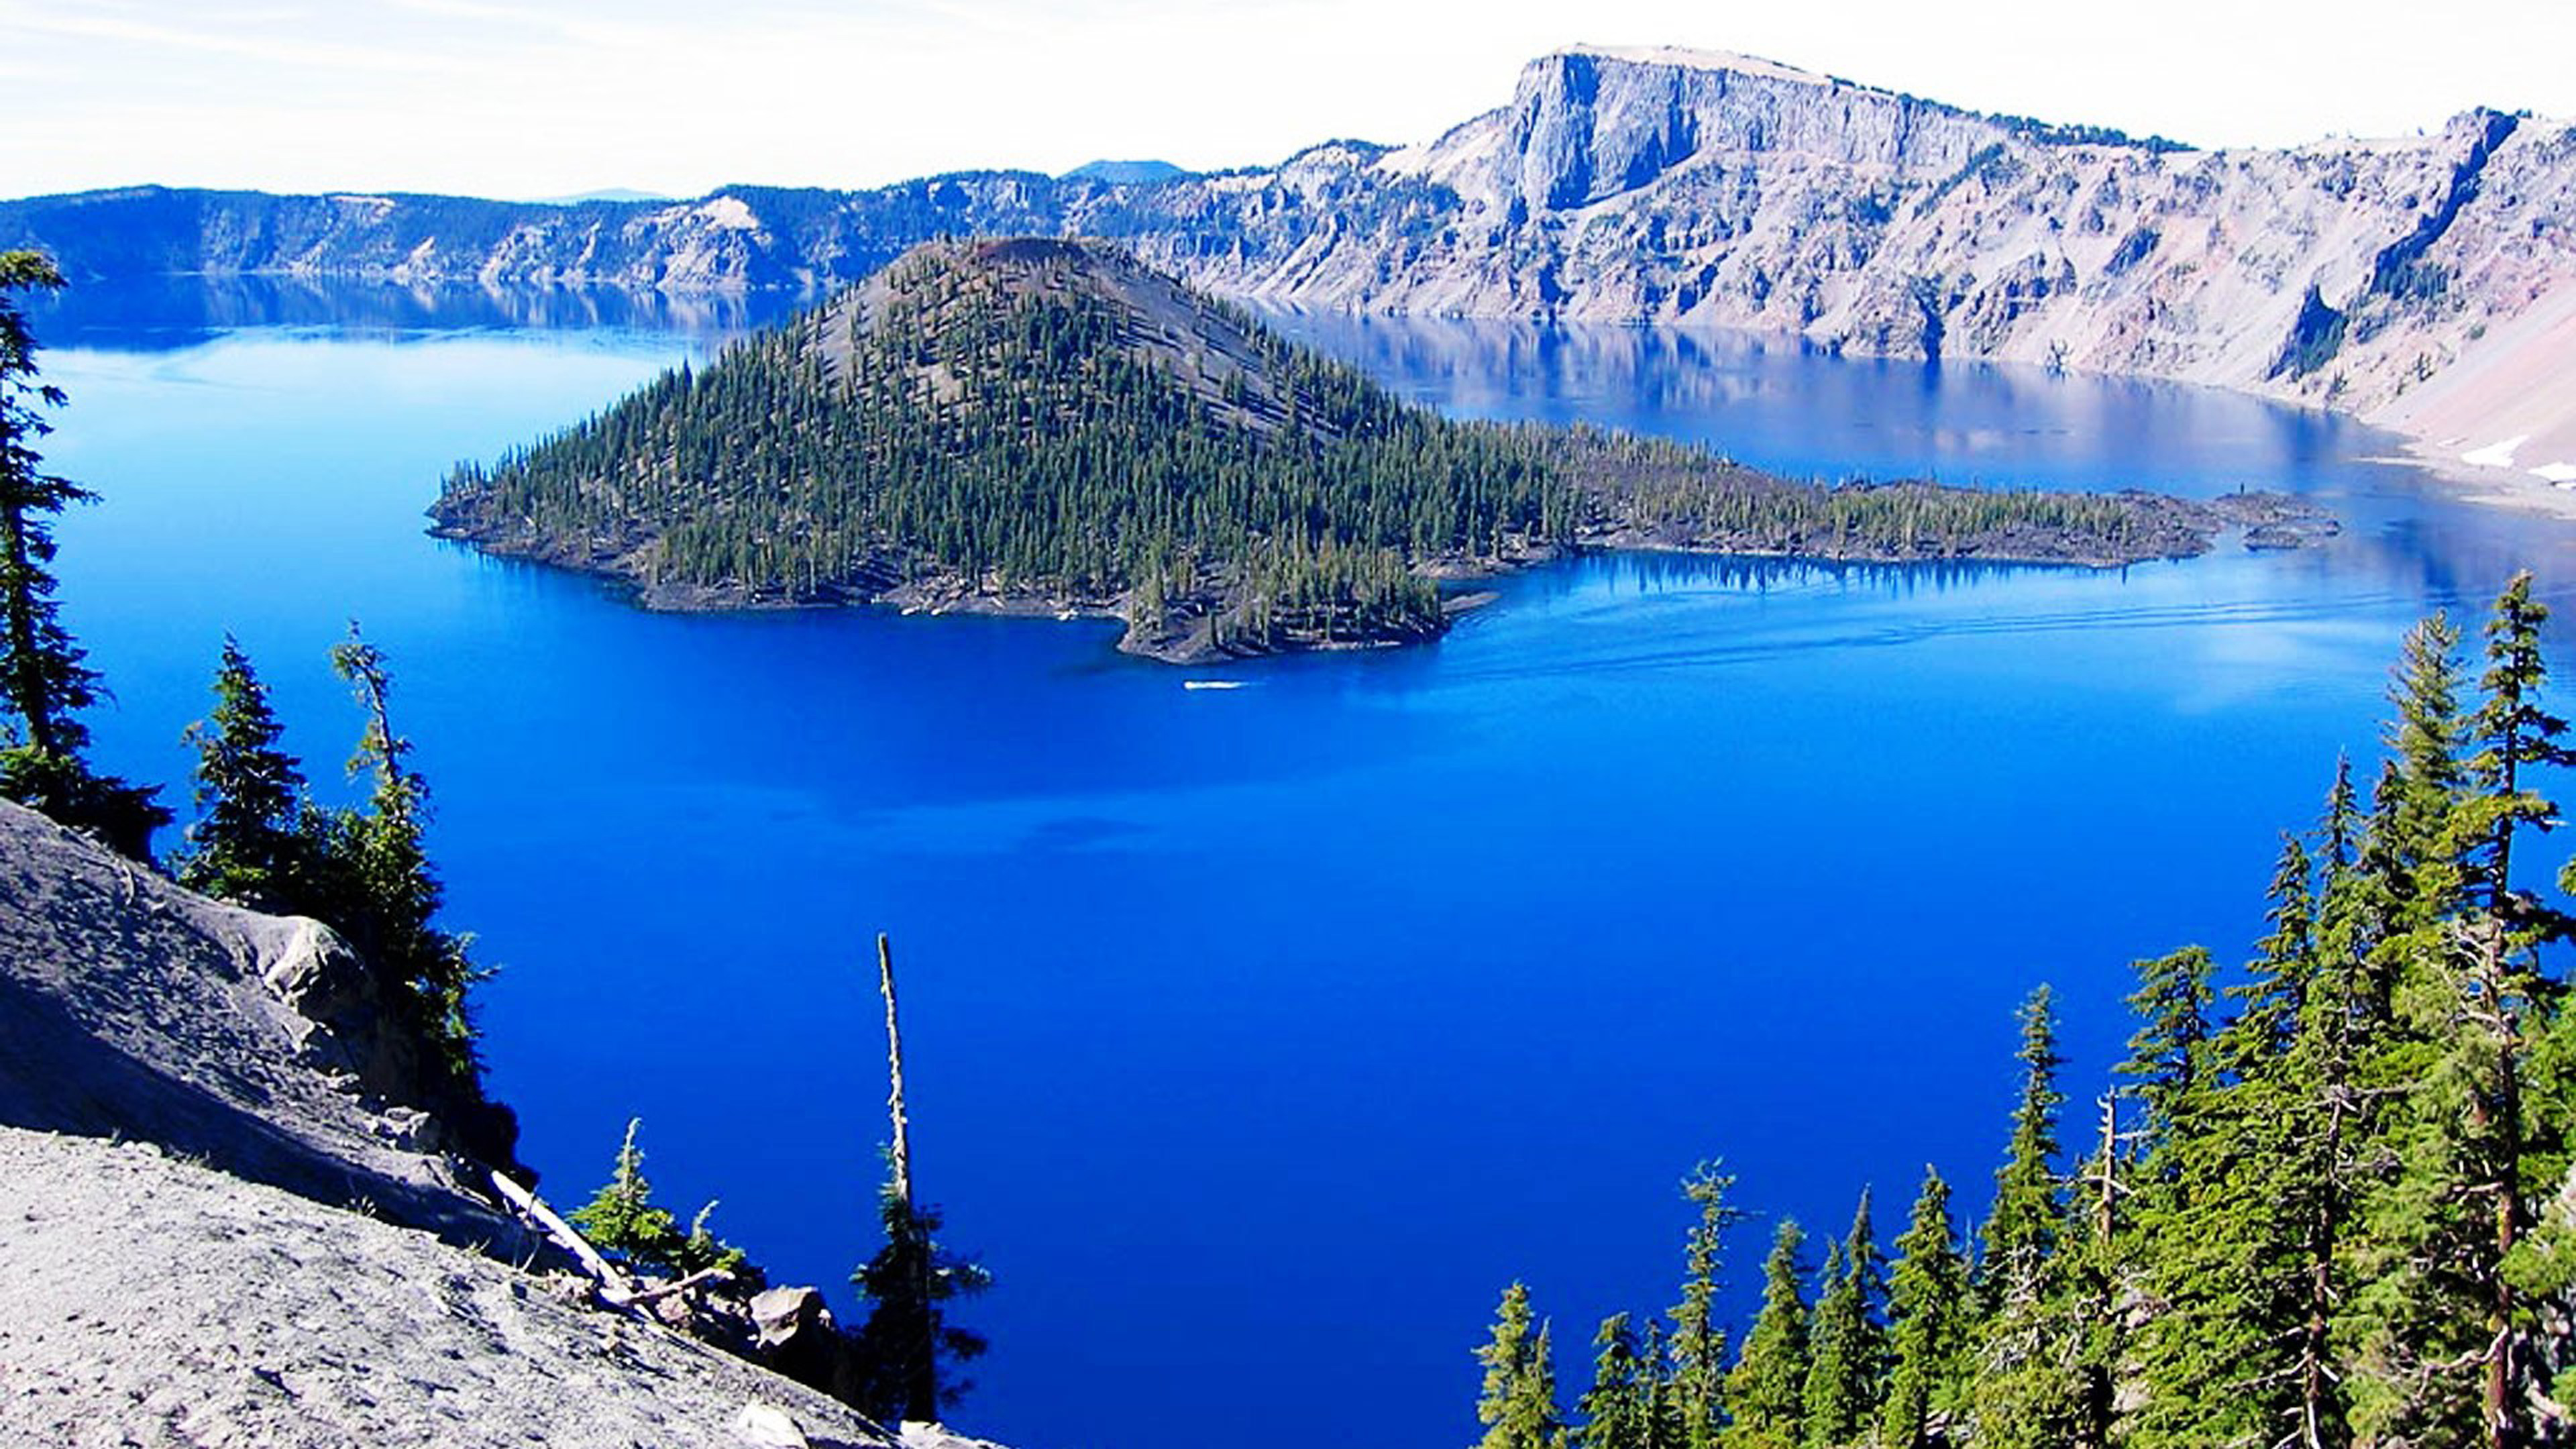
x,y
2429,282
1672,188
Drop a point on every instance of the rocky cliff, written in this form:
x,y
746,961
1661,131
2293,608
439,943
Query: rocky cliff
x,y
2428,282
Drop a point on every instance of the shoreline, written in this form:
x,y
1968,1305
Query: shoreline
x,y
2257,521
2501,486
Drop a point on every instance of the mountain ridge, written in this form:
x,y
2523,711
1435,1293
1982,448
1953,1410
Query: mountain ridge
x,y
2424,283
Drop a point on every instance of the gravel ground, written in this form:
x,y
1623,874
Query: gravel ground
x,y
151,1301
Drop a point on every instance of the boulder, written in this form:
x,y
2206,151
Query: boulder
x,y
342,1020
793,1334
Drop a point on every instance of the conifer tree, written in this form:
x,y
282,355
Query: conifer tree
x,y
2424,739
387,891
247,845
2221,1223
43,681
2169,1065
2161,1231
1928,1321
2510,733
2021,1233
621,1218
1766,1393
1618,1411
2448,1339
2326,1117
907,1285
2028,1388
1518,1405
1663,1411
1848,1365
1698,1342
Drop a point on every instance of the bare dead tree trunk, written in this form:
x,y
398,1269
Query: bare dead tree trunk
x,y
2503,1432
902,1151
912,1245
2314,1383
2106,1182
2505,1125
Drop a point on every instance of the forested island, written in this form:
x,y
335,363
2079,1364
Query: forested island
x,y
1049,426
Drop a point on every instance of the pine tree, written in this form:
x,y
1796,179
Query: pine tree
x,y
2510,733
1698,1343
1846,1372
2028,1389
620,1218
1663,1410
247,845
43,681
2324,1115
2169,1066
2183,1142
2425,739
367,874
2449,1341
907,1285
1518,1406
1766,1393
1928,1322
1619,1409
2223,1221
2021,1233
387,891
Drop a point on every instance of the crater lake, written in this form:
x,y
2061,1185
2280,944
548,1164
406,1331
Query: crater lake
x,y
1258,1036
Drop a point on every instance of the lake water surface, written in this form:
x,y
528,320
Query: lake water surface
x,y
1258,1037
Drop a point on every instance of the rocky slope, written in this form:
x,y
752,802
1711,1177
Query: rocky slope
x,y
154,1301
2428,282
215,1230
136,1009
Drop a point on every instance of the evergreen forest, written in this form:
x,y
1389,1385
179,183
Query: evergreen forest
x,y
2325,1201
1050,421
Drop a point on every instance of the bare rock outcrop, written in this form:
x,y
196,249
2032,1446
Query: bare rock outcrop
x,y
137,1009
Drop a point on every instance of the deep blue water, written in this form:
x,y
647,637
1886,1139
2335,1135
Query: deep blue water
x,y
1258,1037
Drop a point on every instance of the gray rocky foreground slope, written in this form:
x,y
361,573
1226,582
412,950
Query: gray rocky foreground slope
x,y
2428,282
152,1301
214,1232
137,1009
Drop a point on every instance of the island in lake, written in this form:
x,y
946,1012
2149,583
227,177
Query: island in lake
x,y
1049,426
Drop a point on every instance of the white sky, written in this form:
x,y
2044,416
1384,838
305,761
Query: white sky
x,y
552,97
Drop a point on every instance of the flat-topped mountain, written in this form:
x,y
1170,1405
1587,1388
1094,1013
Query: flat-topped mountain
x,y
1044,425
2427,282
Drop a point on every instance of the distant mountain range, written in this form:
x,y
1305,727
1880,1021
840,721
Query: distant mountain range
x,y
2428,282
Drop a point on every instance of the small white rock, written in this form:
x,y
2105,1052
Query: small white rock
x,y
768,1428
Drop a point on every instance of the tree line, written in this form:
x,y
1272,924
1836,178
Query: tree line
x,y
2326,1201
